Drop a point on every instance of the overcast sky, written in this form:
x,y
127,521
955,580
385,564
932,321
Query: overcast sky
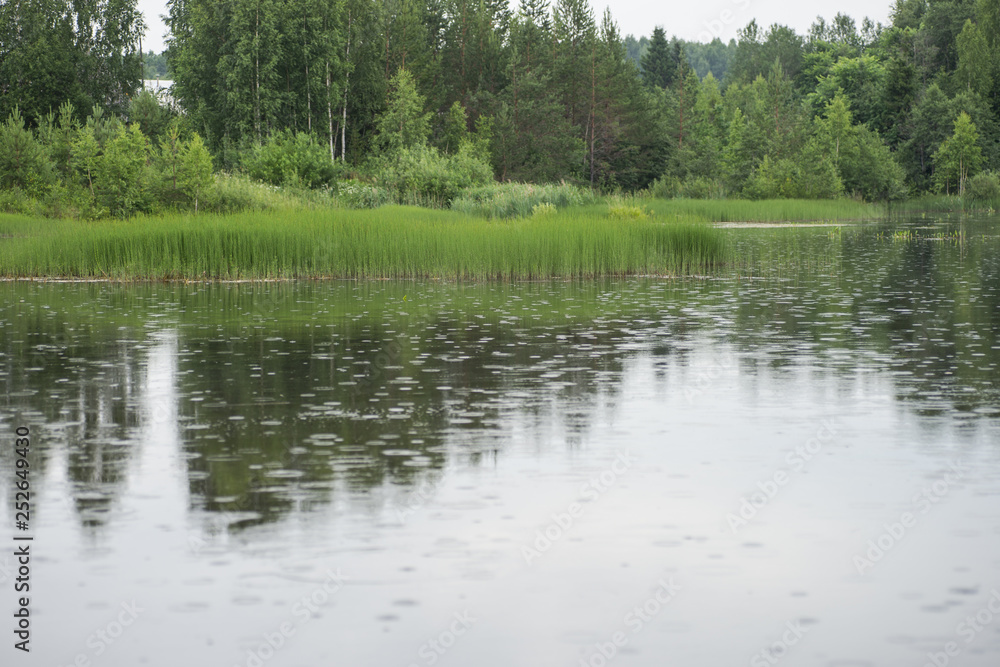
x,y
690,20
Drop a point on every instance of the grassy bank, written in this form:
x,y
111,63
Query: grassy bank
x,y
943,204
772,210
389,242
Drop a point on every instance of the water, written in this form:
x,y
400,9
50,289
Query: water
x,y
796,461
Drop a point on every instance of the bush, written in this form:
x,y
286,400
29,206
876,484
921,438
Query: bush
x,y
984,187
352,194
785,179
420,174
543,210
292,159
17,201
699,187
626,208
235,193
515,200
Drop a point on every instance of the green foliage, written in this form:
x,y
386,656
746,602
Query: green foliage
x,y
627,208
57,137
757,52
17,201
532,138
862,163
291,93
103,126
542,210
421,174
86,156
861,80
57,51
121,180
786,179
404,124
152,119
959,155
516,200
248,68
702,187
292,159
235,193
984,187
24,163
168,156
975,61
661,60
456,128
155,66
353,194
194,169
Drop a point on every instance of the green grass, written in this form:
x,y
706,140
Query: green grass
x,y
389,242
775,210
942,204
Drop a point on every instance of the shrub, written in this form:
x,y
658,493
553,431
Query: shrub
x,y
235,193
984,187
17,201
353,194
292,158
785,179
700,187
542,210
515,200
421,174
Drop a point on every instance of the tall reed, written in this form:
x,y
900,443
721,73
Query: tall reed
x,y
389,242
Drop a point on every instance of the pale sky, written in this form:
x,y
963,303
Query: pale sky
x,y
693,21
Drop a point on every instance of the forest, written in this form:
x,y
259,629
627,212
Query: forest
x,y
420,100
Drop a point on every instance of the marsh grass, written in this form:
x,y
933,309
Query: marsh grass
x,y
771,210
389,242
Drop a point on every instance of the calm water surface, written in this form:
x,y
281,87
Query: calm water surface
x,y
796,461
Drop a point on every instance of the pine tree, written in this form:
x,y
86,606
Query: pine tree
x,y
575,40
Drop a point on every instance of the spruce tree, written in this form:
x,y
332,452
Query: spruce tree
x,y
658,66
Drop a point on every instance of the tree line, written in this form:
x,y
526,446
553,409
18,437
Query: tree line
x,y
554,92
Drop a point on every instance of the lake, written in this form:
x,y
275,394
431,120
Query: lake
x,y
793,460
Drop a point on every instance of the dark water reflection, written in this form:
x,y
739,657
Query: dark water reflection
x,y
216,450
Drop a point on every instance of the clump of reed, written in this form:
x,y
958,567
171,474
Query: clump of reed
x,y
388,242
